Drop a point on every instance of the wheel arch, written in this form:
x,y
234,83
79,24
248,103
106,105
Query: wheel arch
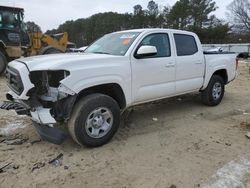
x,y
113,90
220,71
223,74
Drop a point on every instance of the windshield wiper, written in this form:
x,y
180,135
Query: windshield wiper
x,y
101,53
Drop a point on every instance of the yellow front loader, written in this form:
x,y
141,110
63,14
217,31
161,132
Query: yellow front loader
x,y
46,44
16,41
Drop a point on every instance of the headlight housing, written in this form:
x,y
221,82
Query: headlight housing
x,y
44,79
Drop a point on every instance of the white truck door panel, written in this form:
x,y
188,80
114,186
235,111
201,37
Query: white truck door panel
x,y
190,64
154,77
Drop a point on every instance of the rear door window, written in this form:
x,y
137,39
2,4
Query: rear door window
x,y
185,44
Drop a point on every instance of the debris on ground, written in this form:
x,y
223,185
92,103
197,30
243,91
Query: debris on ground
x,y
2,139
35,141
16,139
8,166
173,186
57,161
248,135
228,144
11,127
37,166
244,112
4,166
155,119
66,167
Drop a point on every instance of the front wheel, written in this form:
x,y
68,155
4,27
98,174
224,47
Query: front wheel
x,y
214,92
94,120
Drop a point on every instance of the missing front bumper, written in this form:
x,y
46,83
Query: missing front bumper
x,y
50,134
41,119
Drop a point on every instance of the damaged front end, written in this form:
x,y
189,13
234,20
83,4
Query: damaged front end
x,y
50,96
41,95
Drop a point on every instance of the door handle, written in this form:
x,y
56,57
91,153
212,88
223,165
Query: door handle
x,y
198,62
168,65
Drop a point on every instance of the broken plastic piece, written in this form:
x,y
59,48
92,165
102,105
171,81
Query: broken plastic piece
x,y
1,168
37,166
50,134
57,161
42,116
155,119
248,135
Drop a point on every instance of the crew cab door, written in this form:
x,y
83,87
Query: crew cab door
x,y
190,63
153,77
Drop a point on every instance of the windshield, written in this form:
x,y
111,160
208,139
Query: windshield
x,y
10,19
113,44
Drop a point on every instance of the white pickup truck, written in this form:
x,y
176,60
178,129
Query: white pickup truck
x,y
90,90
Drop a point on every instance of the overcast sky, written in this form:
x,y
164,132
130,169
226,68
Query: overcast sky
x,y
50,14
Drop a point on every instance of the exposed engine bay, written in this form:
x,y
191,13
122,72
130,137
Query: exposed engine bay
x,y
47,93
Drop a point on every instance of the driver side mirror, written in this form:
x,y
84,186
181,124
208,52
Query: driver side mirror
x,y
146,51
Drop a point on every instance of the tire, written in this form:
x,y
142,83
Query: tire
x,y
50,50
214,92
94,120
3,63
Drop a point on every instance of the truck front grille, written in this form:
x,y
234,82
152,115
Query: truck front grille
x,y
14,80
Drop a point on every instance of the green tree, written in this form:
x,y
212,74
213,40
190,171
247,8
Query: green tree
x,y
165,16
180,15
33,27
210,29
200,9
138,10
152,14
153,9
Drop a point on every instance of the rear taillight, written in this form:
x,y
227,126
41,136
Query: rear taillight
x,y
237,63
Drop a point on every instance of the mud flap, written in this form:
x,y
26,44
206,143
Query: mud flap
x,y
50,134
19,108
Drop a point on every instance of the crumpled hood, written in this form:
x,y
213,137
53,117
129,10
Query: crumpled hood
x,y
62,61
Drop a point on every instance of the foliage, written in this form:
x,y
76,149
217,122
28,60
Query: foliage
x,y
200,9
180,15
240,15
194,15
32,27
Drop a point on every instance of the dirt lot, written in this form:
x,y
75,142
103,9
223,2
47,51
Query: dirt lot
x,y
171,143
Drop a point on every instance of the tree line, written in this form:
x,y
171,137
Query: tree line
x,y
193,15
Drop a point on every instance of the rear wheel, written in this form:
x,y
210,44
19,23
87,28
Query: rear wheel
x,y
3,62
94,120
214,92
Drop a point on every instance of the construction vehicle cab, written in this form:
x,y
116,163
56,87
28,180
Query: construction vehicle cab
x,y
12,34
15,41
